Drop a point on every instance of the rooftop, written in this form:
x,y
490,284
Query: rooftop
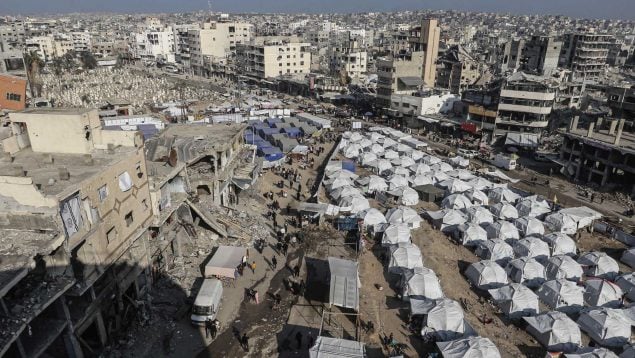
x,y
603,138
68,111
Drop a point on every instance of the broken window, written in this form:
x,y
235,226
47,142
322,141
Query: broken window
x,y
139,172
129,219
111,234
103,192
71,215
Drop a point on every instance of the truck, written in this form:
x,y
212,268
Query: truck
x,y
207,302
504,162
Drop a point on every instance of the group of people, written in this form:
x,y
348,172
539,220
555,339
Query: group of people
x,y
211,328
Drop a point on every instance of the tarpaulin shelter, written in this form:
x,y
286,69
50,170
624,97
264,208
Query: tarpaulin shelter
x,y
495,250
627,284
515,300
404,256
526,270
396,234
327,347
405,196
421,179
441,167
443,319
501,229
561,222
477,196
599,264
439,176
456,201
560,244
352,150
504,211
562,295
354,204
381,166
502,195
446,219
367,159
628,257
345,191
582,215
225,261
429,193
454,185
459,161
430,160
420,283
480,183
533,206
563,267
531,247
461,174
391,154
555,331
371,217
486,274
479,215
376,149
470,347
471,234
528,226
420,168
397,181
338,183
404,214
399,170
608,327
599,292
594,352
344,283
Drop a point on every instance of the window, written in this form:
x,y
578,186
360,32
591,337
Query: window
x,y
111,235
129,219
301,63
14,97
103,192
139,172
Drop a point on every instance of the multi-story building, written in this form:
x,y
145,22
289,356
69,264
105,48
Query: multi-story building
x,y
585,54
348,58
621,101
63,46
181,43
457,70
12,92
510,55
398,75
216,40
273,56
82,41
44,46
425,38
155,44
13,34
541,55
11,60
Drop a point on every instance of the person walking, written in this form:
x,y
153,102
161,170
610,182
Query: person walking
x,y
298,338
244,342
213,330
253,267
208,327
296,271
311,340
285,248
274,262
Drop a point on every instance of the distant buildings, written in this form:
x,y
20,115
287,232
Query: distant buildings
x,y
214,41
398,75
457,70
541,54
585,54
274,56
12,93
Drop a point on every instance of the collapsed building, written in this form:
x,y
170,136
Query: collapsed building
x,y
86,223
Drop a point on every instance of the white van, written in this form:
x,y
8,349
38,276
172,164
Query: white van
x,y
505,162
207,302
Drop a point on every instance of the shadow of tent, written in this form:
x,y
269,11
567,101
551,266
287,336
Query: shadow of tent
x,y
318,279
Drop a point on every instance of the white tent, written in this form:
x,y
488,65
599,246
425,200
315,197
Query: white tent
x,y
375,137
599,264
531,247
338,183
555,331
381,166
495,250
404,256
430,160
416,155
477,196
446,219
562,295
345,191
562,223
454,185
407,162
365,143
471,234
526,270
397,181
376,149
528,226
354,204
352,150
341,173
439,176
504,211
563,267
420,179
404,214
533,206
628,257
459,161
391,154
376,184
607,326
593,352
441,167
560,244
582,215
354,137
627,284
371,217
502,230
326,347
421,282
471,347
400,171
408,196
515,300
479,215
387,142
368,158
502,195
444,320
420,168
456,201
404,149
486,274
461,174
344,283
396,234
481,183
599,292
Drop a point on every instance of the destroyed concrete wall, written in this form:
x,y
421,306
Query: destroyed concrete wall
x,y
23,191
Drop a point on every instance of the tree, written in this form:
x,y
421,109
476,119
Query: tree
x,y
69,63
88,60
34,65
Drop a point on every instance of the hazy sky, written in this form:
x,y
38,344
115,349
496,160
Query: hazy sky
x,y
624,9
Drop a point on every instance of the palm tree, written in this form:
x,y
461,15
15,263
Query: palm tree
x,y
34,65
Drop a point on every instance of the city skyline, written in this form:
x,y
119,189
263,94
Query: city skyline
x,y
618,9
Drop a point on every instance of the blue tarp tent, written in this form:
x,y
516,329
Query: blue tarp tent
x,y
270,153
264,132
348,165
293,132
272,121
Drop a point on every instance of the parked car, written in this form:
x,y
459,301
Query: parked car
x,y
467,153
541,157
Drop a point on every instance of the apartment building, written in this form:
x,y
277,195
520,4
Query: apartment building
x,y
274,56
82,41
63,45
425,38
510,55
155,44
74,213
398,75
585,54
13,34
12,92
44,46
216,40
541,55
457,70
347,57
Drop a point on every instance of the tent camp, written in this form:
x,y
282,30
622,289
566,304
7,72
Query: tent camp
x,y
562,295
459,161
225,261
446,219
502,195
599,292
471,234
397,181
501,229
560,244
495,250
563,266
452,185
420,282
477,196
608,327
599,264
462,174
405,196
593,352
533,206
582,215
627,284
527,271
531,247
327,347
529,226
441,167
371,217
354,204
555,331
404,214
456,201
628,257
470,347
420,169
486,274
396,234
515,300
504,211
404,256
344,283
480,183
443,320
560,222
